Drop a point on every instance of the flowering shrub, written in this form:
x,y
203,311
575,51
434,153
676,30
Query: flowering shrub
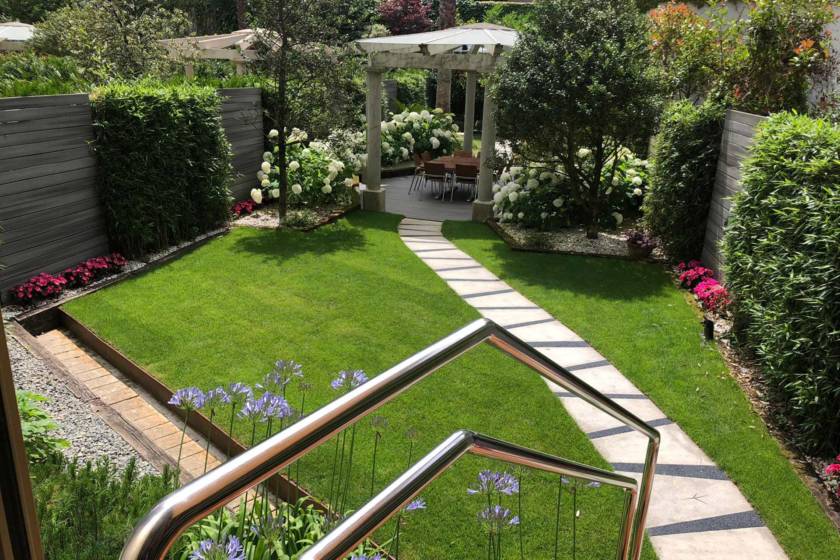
x,y
246,207
692,273
541,196
316,175
410,132
46,286
642,240
712,294
832,475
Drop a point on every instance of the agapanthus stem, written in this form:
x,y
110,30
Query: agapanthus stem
x,y
207,447
519,513
332,476
557,518
574,520
349,470
181,448
373,470
297,463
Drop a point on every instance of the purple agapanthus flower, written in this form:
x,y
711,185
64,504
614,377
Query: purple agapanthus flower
x,y
211,550
253,409
282,374
488,481
594,484
348,380
188,399
498,516
214,398
376,556
419,503
239,393
276,407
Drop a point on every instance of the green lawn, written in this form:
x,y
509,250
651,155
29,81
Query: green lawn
x,y
351,295
633,315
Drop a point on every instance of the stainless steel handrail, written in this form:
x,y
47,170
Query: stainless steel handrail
x,y
156,532
353,530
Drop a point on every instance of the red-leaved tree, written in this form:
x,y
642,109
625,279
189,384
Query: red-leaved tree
x,y
405,16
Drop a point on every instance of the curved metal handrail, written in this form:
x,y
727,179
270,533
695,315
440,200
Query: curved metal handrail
x,y
155,533
353,530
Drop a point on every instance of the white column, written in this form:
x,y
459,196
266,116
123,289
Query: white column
x,y
469,110
374,195
483,206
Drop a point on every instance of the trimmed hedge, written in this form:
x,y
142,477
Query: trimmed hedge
x,y
165,164
685,161
782,251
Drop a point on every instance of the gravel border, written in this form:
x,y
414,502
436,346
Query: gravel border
x,y
90,437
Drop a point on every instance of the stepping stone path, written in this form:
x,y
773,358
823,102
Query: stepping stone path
x,y
696,512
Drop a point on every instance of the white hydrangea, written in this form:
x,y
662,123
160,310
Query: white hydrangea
x,y
616,181
515,170
533,183
632,172
543,215
546,175
273,133
265,167
520,215
268,156
504,177
297,189
256,195
637,181
326,189
455,127
306,152
408,137
499,197
618,218
637,192
435,143
348,182
386,146
265,183
533,172
513,196
275,193
260,175
404,153
584,153
497,188
294,165
557,202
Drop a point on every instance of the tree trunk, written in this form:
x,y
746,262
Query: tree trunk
x,y
241,14
446,19
283,117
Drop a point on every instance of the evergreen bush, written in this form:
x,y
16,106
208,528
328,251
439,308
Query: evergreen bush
x,y
165,164
782,251
685,157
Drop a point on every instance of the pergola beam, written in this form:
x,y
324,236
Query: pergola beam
x,y
482,63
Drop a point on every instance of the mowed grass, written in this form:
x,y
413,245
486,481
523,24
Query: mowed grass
x,y
352,296
633,315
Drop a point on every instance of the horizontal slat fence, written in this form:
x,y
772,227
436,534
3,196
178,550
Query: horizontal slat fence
x,y
49,206
738,135
50,211
242,121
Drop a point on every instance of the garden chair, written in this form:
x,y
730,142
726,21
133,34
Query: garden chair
x,y
436,176
419,170
466,175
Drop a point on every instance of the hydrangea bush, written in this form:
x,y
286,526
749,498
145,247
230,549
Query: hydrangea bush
x,y
539,196
410,132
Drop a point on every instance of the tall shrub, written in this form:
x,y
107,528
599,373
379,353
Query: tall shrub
x,y
782,249
165,161
685,160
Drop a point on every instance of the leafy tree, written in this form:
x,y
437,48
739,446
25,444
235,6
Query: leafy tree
x,y
405,16
575,89
29,11
209,17
300,55
112,38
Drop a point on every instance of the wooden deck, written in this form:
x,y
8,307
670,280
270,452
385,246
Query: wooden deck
x,y
422,205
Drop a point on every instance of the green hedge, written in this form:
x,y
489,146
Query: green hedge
x,y
685,160
782,250
165,164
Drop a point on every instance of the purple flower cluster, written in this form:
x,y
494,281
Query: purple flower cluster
x,y
419,503
490,481
498,517
376,556
188,399
267,407
349,380
211,550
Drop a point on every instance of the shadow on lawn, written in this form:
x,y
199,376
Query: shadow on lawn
x,y
273,244
597,277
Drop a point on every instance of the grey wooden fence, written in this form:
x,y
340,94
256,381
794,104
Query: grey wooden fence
x,y
49,207
50,212
242,121
738,134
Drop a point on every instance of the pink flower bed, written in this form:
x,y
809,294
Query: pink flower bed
x,y
700,280
47,286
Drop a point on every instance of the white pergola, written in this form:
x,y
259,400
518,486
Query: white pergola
x,y
14,35
236,46
474,49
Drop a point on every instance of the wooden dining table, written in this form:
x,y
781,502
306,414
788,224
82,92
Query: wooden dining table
x,y
451,161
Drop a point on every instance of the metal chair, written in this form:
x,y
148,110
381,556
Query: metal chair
x,y
419,171
466,175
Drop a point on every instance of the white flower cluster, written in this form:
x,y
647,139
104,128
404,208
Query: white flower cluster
x,y
413,132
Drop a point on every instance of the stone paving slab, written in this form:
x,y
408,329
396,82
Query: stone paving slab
x,y
134,408
696,512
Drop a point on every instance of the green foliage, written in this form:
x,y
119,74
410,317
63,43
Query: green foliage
x,y
411,86
25,73
515,16
37,428
87,511
782,249
578,80
208,17
112,39
28,11
685,160
165,164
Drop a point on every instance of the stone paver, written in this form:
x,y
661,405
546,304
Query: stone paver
x,y
133,407
696,512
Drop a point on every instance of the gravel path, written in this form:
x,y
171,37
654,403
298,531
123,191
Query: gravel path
x,y
89,436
